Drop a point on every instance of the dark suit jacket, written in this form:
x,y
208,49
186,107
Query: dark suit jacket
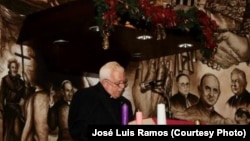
x,y
200,112
178,101
94,106
239,100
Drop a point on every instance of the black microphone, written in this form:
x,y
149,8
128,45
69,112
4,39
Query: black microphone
x,y
149,85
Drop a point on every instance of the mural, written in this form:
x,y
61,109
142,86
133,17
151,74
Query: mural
x,y
34,102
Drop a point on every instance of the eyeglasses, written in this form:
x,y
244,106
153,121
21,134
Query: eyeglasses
x,y
119,84
184,84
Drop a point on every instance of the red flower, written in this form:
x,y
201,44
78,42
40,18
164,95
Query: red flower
x,y
109,17
208,27
158,15
112,3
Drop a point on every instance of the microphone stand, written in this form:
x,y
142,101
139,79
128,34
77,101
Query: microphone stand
x,y
157,87
166,97
169,112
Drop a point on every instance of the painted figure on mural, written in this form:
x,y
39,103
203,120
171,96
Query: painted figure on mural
x,y
242,116
62,110
36,112
13,96
183,98
241,97
54,95
209,90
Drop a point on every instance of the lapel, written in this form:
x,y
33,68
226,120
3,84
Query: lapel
x,y
103,98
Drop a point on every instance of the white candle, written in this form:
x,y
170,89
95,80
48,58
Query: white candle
x,y
161,114
138,118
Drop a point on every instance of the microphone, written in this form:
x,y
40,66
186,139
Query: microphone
x,y
149,85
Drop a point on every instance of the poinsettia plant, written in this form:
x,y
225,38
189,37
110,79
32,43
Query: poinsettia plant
x,y
142,14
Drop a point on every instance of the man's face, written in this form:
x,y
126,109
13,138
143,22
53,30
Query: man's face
x,y
183,85
237,84
243,120
117,84
68,92
13,69
210,90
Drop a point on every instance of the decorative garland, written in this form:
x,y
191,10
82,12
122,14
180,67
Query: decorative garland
x,y
144,15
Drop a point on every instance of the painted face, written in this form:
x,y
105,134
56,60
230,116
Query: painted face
x,y
68,92
183,85
117,84
237,84
13,69
243,120
210,90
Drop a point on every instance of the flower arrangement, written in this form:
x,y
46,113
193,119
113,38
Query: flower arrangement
x,y
142,14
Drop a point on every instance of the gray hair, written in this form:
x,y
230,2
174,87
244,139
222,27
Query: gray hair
x,y
242,75
108,68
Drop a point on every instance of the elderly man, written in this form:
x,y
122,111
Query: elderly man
x,y
100,104
183,98
241,97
